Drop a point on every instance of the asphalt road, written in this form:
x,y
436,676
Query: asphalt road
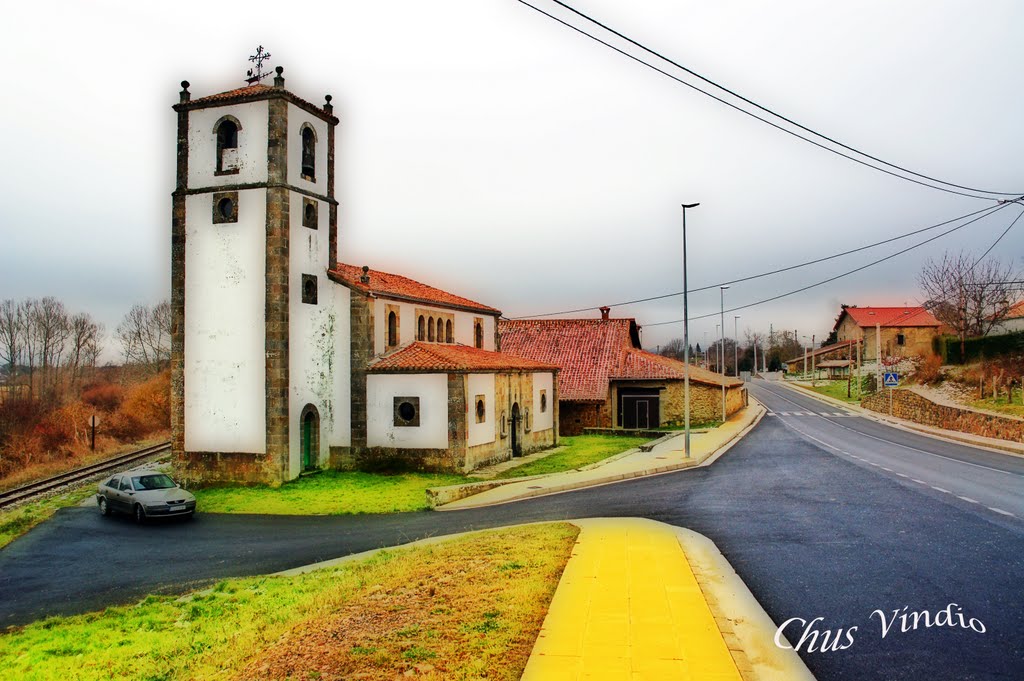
x,y
812,531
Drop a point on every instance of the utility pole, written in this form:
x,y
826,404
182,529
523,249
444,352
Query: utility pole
x,y
686,342
735,346
814,374
721,312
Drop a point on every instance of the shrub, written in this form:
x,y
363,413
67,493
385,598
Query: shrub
x,y
104,396
930,370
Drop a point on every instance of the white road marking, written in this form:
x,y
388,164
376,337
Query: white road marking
x,y
920,482
785,413
902,476
873,464
968,499
886,469
939,489
1001,511
825,413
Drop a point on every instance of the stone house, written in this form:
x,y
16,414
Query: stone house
x,y
285,359
1013,322
903,331
606,380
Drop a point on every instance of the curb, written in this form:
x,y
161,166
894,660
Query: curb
x,y
930,431
757,414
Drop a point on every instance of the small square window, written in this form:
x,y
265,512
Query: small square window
x,y
225,207
310,210
309,288
481,408
901,339
407,411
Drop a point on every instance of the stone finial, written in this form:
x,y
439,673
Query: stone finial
x,y
328,107
365,278
279,79
184,95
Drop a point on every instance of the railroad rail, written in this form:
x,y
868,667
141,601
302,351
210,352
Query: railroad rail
x,y
13,496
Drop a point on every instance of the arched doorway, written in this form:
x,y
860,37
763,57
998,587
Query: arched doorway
x,y
517,445
309,438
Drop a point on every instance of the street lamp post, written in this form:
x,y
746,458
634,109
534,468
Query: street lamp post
x,y
735,347
686,342
721,314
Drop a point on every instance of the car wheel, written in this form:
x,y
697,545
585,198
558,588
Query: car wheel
x,y
140,514
104,508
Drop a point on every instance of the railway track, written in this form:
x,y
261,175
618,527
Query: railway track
x,y
18,494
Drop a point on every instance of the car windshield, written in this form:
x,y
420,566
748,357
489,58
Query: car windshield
x,y
159,481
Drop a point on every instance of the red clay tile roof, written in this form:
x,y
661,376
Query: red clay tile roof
x,y
396,286
253,93
890,316
1016,311
420,357
591,352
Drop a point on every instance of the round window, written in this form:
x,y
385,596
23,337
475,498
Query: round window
x,y
407,411
480,411
226,207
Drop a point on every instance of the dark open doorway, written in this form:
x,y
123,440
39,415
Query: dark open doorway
x,y
517,445
310,437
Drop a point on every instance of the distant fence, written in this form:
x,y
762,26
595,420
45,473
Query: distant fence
x,y
984,347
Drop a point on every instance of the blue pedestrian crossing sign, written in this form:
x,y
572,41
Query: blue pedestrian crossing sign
x,y
891,380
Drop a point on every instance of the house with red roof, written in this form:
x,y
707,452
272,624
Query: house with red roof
x,y
1013,322
606,380
285,359
896,331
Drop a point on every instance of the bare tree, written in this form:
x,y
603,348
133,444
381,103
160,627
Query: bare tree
x,y
145,335
50,328
12,335
85,337
968,296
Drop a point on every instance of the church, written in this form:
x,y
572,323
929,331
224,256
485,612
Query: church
x,y
285,359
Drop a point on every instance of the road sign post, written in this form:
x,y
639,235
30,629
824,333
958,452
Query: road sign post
x,y
891,380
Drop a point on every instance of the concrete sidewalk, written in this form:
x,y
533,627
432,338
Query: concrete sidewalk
x,y
665,456
633,605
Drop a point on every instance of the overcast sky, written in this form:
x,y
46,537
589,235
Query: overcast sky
x,y
490,151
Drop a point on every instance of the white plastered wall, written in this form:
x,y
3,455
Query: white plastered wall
x,y
252,145
318,347
381,391
546,419
225,367
296,119
480,433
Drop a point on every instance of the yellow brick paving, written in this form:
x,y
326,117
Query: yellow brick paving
x,y
628,607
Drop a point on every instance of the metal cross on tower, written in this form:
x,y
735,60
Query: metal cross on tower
x,y
258,58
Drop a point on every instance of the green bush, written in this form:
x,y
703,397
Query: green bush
x,y
983,347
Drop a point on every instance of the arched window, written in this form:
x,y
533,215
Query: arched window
x,y
227,145
392,329
430,329
308,153
440,330
448,332
478,335
421,329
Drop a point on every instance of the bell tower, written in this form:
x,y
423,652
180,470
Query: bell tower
x,y
253,233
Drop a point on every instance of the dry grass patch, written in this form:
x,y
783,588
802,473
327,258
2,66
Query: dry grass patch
x,y
466,609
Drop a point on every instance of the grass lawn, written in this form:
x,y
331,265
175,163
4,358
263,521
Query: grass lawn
x,y
328,493
577,451
17,521
1000,404
837,389
466,609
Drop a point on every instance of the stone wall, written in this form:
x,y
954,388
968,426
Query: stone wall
x,y
575,416
913,407
705,402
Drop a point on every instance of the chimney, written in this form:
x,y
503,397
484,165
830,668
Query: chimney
x,y
365,278
604,312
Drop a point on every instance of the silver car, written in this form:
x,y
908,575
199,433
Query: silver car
x,y
144,494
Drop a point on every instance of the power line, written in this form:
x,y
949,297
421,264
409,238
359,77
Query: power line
x,y
838,276
989,210
752,114
997,240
